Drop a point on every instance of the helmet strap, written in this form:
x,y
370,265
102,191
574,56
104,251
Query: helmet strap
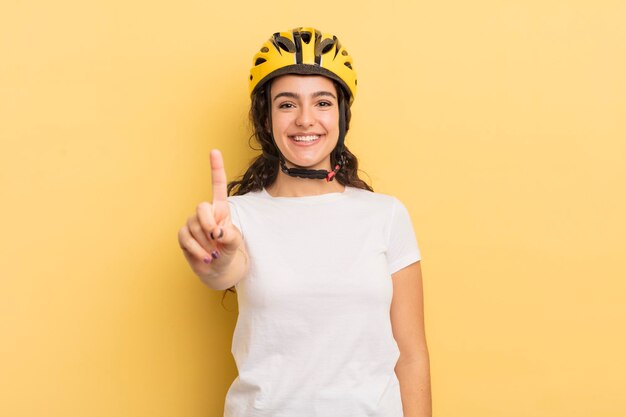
x,y
319,174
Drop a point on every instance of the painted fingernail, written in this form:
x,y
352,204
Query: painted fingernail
x,y
215,254
207,260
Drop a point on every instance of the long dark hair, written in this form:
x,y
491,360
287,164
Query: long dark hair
x,y
263,170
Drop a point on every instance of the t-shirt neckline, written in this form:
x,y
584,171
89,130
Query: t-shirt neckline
x,y
308,198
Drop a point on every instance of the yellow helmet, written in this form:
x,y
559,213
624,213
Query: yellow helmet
x,y
303,51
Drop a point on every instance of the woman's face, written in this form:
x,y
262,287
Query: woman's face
x,y
305,119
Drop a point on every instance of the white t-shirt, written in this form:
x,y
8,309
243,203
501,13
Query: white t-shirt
x,y
313,337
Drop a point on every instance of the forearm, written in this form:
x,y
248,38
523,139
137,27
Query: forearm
x,y
414,377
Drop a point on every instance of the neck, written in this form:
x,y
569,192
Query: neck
x,y
286,186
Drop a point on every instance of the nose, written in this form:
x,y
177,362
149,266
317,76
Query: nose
x,y
305,117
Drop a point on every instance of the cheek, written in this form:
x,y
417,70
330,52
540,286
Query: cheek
x,y
280,122
330,122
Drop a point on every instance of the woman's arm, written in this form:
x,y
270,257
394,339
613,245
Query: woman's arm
x,y
211,243
407,321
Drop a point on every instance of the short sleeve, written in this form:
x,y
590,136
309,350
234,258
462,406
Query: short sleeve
x,y
234,215
402,248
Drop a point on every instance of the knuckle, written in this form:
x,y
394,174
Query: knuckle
x,y
203,206
183,244
202,225
196,232
194,228
188,243
205,223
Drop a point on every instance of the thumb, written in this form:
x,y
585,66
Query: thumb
x,y
227,236
221,212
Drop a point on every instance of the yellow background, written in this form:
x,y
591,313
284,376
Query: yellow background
x,y
500,124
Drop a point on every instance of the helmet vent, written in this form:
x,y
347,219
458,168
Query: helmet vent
x,y
285,44
259,61
306,37
325,46
344,53
265,49
347,64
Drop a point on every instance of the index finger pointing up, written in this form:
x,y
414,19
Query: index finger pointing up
x,y
218,177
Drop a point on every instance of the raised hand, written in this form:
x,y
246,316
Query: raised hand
x,y
209,240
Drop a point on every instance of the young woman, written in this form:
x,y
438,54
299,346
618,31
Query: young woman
x,y
327,272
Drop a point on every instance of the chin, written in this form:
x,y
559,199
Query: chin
x,y
308,164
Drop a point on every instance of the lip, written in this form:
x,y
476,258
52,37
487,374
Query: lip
x,y
305,134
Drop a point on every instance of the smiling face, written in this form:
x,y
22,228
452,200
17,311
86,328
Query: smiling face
x,y
305,119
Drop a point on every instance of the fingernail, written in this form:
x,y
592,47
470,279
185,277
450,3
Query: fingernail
x,y
219,236
207,260
215,254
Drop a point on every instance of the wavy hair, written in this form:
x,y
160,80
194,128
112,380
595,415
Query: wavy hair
x,y
263,170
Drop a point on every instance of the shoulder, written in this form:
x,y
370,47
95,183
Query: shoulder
x,y
375,199
245,198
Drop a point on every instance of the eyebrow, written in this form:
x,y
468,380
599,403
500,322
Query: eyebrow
x,y
297,96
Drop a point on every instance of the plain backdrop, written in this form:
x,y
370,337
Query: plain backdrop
x,y
501,125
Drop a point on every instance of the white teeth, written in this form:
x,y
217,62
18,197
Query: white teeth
x,y
310,138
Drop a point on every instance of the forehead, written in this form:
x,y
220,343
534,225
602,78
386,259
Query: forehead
x,y
302,84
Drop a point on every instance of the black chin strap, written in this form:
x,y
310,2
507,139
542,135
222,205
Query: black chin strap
x,y
312,173
320,174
